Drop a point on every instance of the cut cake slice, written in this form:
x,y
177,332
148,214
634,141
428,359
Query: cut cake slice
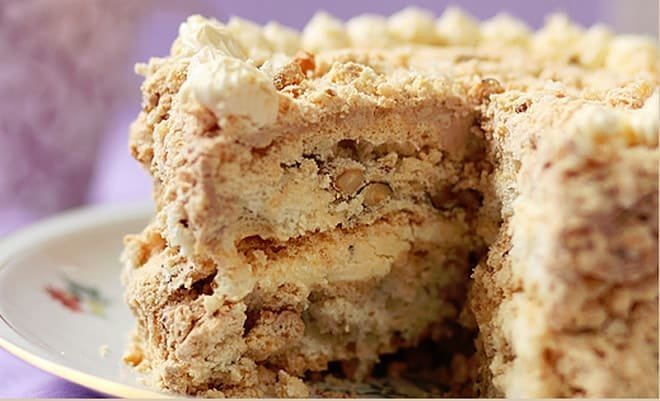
x,y
331,206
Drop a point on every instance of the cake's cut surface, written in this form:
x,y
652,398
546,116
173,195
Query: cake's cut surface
x,y
332,205
567,301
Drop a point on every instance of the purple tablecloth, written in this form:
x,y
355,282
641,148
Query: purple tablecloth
x,y
20,380
117,178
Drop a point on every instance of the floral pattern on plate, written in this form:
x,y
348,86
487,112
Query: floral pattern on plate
x,y
78,297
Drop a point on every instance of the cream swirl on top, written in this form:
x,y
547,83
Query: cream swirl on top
x,y
455,27
221,78
595,125
413,25
281,38
324,32
627,53
368,30
503,29
231,87
198,32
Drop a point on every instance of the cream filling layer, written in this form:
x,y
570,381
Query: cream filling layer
x,y
364,254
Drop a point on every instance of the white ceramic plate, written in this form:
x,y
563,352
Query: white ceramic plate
x,y
61,306
62,310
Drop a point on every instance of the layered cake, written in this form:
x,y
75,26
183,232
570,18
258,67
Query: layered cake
x,y
337,195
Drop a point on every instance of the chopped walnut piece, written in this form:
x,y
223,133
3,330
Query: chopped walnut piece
x,y
482,92
349,181
305,61
376,192
289,74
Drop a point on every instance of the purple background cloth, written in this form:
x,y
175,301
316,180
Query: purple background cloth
x,y
118,178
